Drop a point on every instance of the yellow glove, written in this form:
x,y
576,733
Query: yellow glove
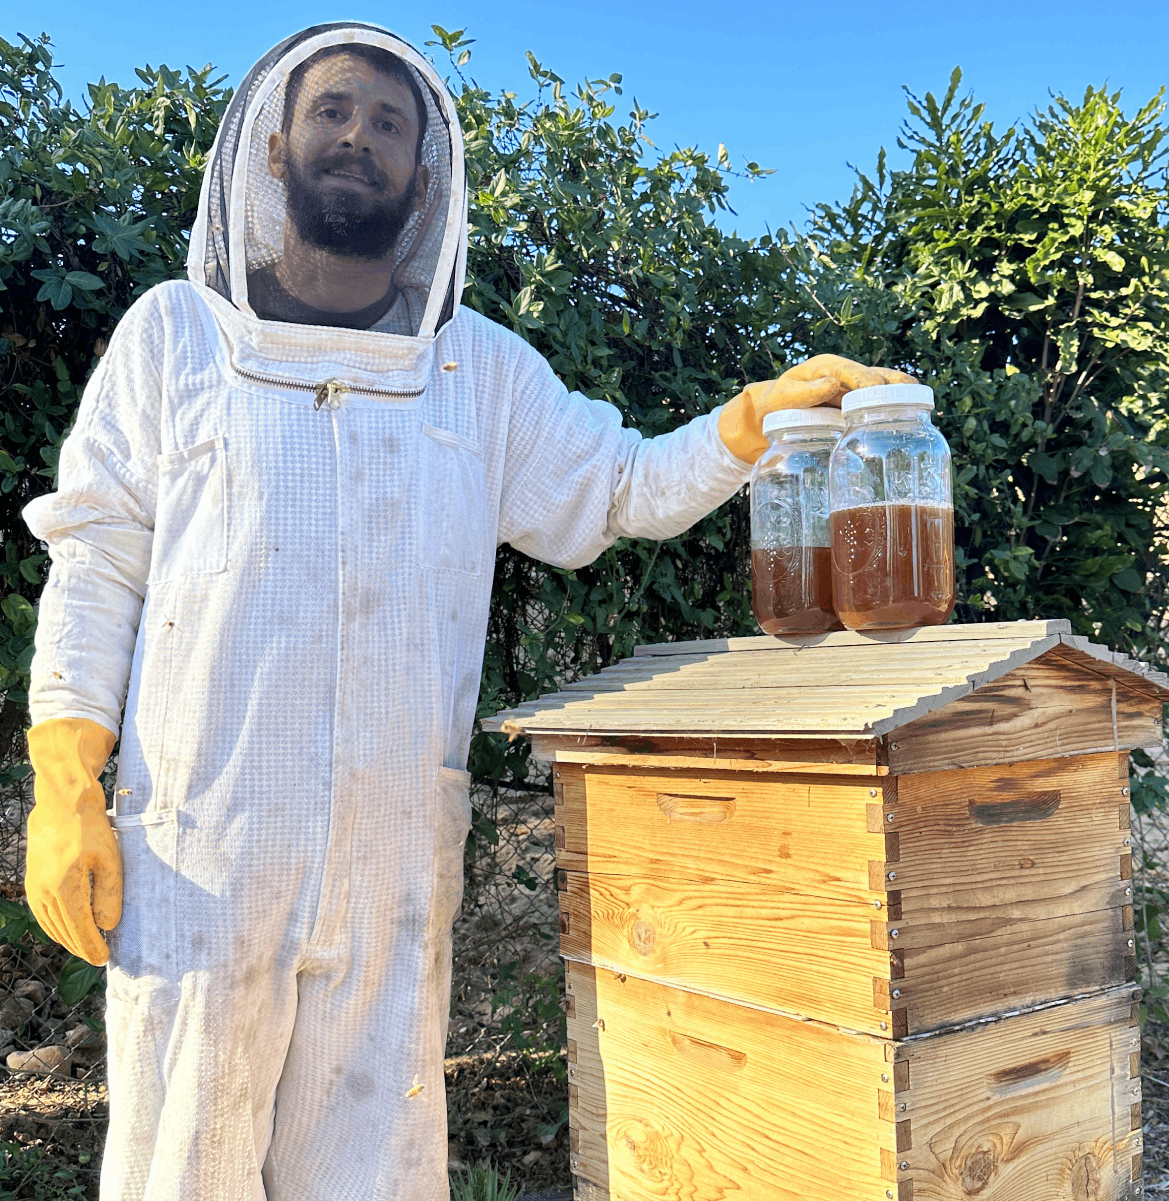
x,y
822,380
70,838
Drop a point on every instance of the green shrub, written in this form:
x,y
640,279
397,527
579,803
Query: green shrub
x,y
1022,272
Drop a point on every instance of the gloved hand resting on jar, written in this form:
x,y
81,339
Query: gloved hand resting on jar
x,y
821,380
70,840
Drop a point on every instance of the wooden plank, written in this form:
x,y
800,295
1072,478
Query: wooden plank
x,y
901,679
828,699
546,749
947,662
1007,844
1022,715
1010,630
1033,1107
835,711
1047,705
1020,965
683,1097
807,834
989,888
1115,665
742,942
675,1095
759,748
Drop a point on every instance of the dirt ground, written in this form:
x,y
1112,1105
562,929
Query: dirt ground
x,y
66,1119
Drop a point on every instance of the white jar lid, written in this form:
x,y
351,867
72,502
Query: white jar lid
x,y
917,395
823,416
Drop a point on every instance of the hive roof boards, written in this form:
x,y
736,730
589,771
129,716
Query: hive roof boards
x,y
1032,687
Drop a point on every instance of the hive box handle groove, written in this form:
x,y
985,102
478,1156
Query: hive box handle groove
x,y
705,810
709,1054
1034,1074
1026,807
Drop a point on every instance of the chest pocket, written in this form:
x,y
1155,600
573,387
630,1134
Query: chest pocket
x,y
190,533
451,503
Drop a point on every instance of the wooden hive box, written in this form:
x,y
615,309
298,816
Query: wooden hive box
x,y
849,916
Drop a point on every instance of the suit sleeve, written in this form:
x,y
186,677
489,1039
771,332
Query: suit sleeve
x,y
99,528
575,480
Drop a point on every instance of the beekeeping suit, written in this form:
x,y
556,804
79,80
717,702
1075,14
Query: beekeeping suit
x,y
272,548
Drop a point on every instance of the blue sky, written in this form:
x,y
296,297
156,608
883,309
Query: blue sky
x,y
804,88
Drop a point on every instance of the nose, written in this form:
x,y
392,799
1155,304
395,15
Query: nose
x,y
358,134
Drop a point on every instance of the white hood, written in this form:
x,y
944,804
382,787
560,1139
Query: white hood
x,y
240,227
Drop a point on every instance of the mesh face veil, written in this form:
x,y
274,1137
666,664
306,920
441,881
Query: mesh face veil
x,y
334,196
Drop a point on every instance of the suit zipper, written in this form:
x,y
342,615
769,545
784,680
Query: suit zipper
x,y
329,394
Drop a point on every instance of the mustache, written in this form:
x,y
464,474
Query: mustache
x,y
352,165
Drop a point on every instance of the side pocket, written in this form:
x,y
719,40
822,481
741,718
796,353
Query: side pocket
x,y
144,958
452,823
190,533
453,493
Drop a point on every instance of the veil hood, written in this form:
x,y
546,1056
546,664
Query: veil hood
x,y
239,228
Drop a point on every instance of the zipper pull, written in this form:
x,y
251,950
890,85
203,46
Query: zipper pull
x,y
330,393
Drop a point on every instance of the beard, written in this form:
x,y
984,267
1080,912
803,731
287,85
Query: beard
x,y
348,221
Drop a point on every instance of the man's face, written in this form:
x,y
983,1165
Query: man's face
x,y
348,160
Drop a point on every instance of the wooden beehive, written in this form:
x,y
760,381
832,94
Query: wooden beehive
x,y
849,916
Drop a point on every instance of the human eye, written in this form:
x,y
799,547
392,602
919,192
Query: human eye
x,y
328,113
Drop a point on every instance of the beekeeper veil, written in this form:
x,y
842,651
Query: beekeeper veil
x,y
334,195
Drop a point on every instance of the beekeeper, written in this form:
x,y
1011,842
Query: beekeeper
x,y
272,547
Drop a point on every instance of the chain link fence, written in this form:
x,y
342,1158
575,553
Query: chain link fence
x,y
506,1076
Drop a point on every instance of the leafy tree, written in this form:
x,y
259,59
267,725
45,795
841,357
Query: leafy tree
x,y
1025,274
1022,272
605,256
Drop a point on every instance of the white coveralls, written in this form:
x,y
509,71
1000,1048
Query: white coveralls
x,y
290,605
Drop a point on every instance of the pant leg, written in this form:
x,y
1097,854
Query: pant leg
x,y
192,1082
361,1104
201,1000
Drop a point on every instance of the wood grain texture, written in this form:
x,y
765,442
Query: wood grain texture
x,y
1039,1105
806,833
858,901
679,1097
897,665
848,685
1049,707
963,877
765,753
1020,631
769,1109
1018,966
781,951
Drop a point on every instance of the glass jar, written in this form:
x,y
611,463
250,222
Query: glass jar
x,y
892,512
791,555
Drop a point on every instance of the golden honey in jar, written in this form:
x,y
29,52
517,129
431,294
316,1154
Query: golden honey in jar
x,y
892,512
791,554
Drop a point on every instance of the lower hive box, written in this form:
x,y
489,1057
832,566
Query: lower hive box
x,y
677,1096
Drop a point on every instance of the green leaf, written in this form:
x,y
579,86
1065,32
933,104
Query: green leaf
x,y
84,280
1130,580
57,291
1045,466
78,979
